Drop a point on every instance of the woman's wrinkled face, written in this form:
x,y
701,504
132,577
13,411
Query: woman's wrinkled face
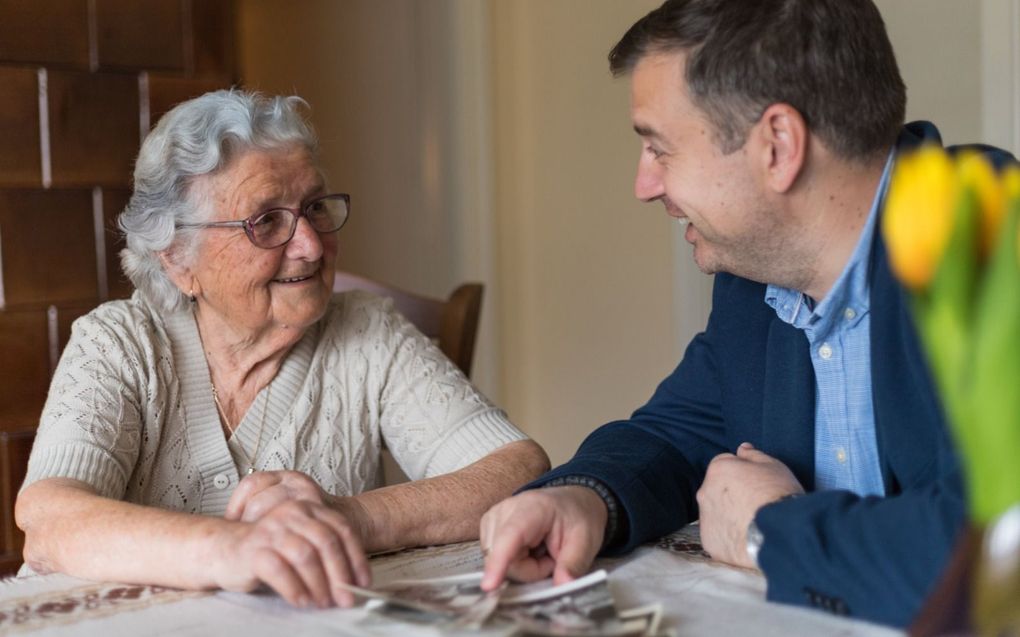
x,y
253,289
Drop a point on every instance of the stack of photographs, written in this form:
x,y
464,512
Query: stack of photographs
x,y
456,604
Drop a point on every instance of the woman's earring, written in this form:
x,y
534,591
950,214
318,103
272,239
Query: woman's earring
x,y
191,296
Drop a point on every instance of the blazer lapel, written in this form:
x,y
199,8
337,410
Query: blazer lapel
x,y
904,396
903,392
788,410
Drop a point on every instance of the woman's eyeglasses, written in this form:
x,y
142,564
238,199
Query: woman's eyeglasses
x,y
275,227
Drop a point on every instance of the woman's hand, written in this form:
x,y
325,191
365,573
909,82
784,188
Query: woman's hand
x,y
261,491
302,549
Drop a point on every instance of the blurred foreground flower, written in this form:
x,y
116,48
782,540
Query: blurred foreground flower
x,y
952,226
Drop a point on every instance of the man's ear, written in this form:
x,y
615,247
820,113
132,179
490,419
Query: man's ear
x,y
783,143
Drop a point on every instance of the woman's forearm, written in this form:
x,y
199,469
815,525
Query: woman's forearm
x,y
70,529
303,550
445,508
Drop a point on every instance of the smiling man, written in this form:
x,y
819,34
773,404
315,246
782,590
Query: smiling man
x,y
801,427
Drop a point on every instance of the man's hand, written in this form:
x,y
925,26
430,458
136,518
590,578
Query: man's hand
x,y
554,531
735,487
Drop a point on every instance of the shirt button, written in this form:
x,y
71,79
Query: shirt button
x,y
221,481
825,351
841,455
849,313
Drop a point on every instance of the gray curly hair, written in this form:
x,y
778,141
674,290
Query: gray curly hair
x,y
197,138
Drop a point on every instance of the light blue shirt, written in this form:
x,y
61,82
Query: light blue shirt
x,y
838,333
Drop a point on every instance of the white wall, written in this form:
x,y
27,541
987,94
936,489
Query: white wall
x,y
584,268
940,60
1000,73
960,61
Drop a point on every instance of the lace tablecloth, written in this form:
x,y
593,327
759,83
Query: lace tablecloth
x,y
699,597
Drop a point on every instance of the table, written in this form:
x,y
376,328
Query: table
x,y
699,597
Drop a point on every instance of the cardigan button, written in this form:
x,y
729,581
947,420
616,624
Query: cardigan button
x,y
221,481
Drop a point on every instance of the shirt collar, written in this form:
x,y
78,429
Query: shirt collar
x,y
850,296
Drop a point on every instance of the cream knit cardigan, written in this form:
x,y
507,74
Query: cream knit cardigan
x,y
130,410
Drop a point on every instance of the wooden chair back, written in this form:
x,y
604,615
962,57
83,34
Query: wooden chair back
x,y
452,322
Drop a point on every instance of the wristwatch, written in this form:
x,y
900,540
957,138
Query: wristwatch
x,y
754,541
755,538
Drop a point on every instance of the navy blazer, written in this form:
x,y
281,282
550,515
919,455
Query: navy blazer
x,y
748,377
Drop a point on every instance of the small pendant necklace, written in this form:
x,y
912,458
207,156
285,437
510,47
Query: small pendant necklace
x,y
262,423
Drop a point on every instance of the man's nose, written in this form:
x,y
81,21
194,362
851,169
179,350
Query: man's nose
x,y
648,185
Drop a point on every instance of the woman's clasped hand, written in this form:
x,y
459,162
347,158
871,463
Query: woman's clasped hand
x,y
293,541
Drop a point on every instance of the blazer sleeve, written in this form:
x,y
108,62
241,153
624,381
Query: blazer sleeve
x,y
654,462
869,557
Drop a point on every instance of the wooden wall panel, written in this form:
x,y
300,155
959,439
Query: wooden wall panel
x,y
93,128
19,126
66,316
24,337
212,25
50,32
118,285
47,246
14,450
167,91
140,36
79,145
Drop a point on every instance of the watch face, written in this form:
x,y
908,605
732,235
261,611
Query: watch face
x,y
754,534
754,540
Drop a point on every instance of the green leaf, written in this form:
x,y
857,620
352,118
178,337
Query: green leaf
x,y
945,311
991,440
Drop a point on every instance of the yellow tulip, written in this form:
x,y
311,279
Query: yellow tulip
x,y
1011,183
975,172
919,214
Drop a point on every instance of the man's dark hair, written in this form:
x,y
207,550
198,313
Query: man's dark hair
x,y
829,59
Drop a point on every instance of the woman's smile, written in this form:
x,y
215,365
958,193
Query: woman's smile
x,y
301,278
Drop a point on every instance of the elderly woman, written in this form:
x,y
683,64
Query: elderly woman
x,y
234,385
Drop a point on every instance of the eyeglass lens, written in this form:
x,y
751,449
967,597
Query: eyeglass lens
x,y
276,227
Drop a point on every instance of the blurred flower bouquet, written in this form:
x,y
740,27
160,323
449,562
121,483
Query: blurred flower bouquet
x,y
952,226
